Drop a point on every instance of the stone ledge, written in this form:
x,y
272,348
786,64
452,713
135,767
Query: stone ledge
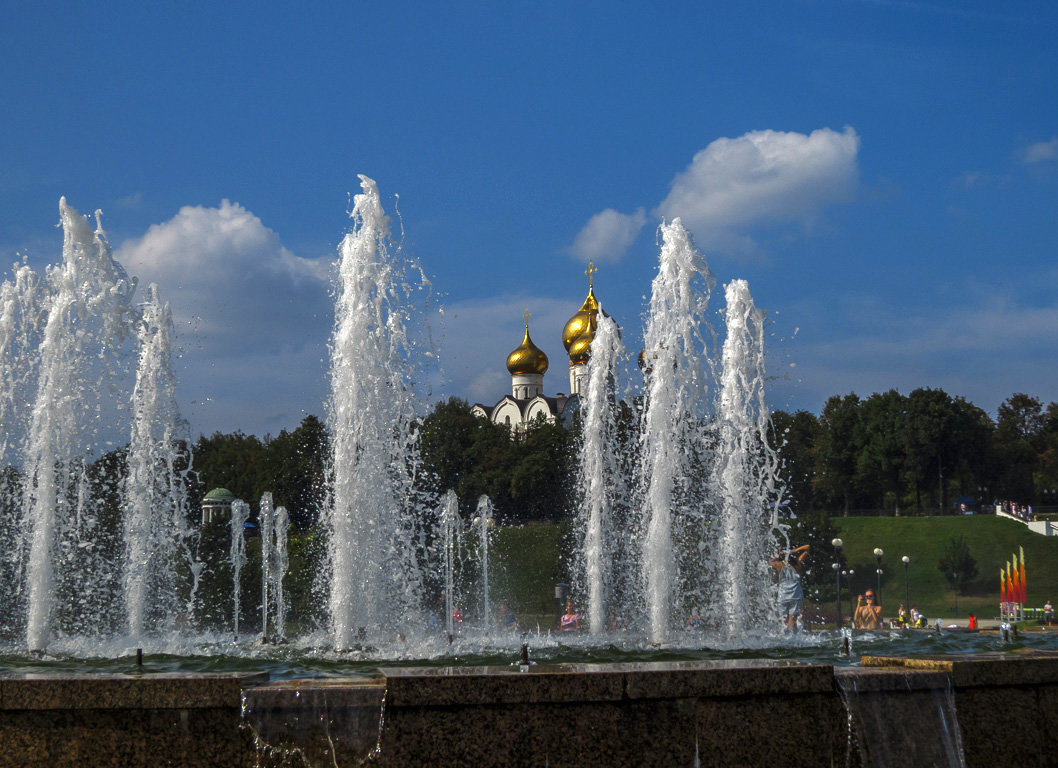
x,y
148,691
981,670
572,683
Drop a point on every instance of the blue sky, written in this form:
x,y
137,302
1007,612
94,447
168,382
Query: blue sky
x,y
885,175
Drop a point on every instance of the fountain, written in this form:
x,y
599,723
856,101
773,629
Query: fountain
x,y
678,517
375,580
156,529
601,484
483,523
673,489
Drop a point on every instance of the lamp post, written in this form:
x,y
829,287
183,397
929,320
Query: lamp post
x,y
837,573
848,583
907,589
878,573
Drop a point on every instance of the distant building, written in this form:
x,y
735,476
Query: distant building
x,y
527,365
216,505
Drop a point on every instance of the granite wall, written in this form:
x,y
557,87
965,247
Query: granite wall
x,y
719,713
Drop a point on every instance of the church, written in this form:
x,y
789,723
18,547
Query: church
x,y
527,365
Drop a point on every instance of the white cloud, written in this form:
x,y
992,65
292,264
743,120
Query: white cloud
x,y
761,178
1042,151
607,235
243,306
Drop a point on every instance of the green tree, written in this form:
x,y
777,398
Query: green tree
x,y
880,462
797,434
957,565
236,461
1020,439
837,454
295,471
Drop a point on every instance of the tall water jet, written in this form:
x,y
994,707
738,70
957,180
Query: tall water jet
x,y
600,481
484,523
374,512
87,317
676,342
745,466
281,562
451,538
266,533
240,513
156,529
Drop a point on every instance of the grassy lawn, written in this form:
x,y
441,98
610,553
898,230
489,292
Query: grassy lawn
x,y
529,561
991,540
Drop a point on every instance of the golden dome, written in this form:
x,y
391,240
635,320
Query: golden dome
x,y
580,349
527,358
584,320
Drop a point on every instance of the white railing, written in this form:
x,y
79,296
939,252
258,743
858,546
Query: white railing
x,y
1042,527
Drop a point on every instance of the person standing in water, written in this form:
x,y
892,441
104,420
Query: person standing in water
x,y
791,595
868,615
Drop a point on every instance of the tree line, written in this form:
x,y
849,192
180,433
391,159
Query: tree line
x,y
887,453
918,453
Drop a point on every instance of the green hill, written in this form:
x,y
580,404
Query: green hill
x,y
992,540
530,560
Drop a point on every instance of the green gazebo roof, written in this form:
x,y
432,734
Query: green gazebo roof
x,y
221,495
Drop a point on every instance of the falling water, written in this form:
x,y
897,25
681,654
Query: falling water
x,y
746,466
88,315
600,479
240,513
673,441
376,360
155,497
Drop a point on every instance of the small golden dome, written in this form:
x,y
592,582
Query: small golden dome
x,y
584,320
527,358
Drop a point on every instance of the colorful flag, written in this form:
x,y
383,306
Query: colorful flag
x,y
1024,592
1015,596
1002,586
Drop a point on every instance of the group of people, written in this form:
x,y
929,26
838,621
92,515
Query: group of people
x,y
789,564
1020,511
915,619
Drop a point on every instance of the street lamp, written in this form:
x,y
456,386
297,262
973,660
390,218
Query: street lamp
x,y
837,573
848,582
907,590
878,572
